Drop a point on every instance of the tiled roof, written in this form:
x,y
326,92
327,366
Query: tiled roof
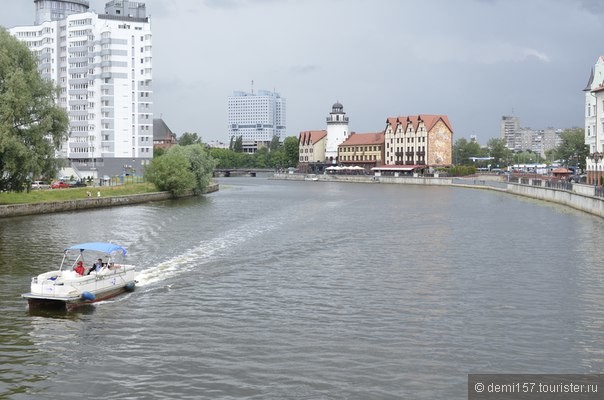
x,y
428,119
161,130
364,138
598,89
311,137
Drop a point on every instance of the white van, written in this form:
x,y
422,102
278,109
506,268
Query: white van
x,y
40,185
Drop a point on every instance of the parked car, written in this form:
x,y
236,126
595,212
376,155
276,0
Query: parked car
x,y
59,185
40,185
77,184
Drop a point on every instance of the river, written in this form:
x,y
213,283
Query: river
x,y
274,289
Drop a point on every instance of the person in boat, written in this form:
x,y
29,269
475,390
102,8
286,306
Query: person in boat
x,y
97,267
79,268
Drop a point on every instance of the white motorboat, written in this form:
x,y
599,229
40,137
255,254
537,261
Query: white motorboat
x,y
69,289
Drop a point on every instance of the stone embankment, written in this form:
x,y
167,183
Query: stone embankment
x,y
578,196
14,210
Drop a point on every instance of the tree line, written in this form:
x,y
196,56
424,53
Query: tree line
x,y
276,155
572,151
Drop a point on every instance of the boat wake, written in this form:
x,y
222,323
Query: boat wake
x,y
204,252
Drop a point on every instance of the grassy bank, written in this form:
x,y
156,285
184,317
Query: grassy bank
x,y
39,196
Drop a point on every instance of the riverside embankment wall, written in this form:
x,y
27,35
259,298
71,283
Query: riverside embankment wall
x,y
590,204
580,197
15,210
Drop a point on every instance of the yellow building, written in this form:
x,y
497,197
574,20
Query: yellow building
x,y
362,149
421,141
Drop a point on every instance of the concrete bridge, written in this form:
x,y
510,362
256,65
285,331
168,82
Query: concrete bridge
x,y
227,172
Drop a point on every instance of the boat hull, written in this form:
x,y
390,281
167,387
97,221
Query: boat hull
x,y
61,289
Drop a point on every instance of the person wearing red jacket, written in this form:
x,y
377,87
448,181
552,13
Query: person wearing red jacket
x,y
79,269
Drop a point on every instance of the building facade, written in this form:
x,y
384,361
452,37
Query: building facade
x,y
362,149
256,118
337,132
594,122
311,147
163,137
510,129
422,141
102,64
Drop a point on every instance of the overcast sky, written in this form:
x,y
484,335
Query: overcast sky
x,y
473,60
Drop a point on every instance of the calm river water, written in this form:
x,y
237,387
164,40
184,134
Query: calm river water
x,y
310,290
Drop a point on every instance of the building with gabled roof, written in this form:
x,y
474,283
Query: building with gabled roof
x,y
312,145
362,149
422,141
163,137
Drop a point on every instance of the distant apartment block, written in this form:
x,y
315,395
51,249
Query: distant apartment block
x,y
102,64
510,128
418,141
520,139
256,118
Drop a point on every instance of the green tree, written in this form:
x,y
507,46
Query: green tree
x,y
182,168
31,125
278,159
188,138
500,153
275,143
238,144
464,149
159,151
261,158
572,149
290,145
201,164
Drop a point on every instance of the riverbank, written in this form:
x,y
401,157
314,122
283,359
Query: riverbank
x,y
16,210
577,196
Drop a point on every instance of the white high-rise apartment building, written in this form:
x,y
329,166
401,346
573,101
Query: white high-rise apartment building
x,y
102,65
256,117
510,127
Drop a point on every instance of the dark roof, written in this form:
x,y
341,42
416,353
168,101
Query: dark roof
x,y
589,82
160,129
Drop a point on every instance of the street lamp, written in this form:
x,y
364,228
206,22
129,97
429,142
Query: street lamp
x,y
597,156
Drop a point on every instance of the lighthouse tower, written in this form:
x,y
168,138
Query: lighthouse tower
x,y
337,132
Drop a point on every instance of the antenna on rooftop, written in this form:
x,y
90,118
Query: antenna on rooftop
x,y
252,86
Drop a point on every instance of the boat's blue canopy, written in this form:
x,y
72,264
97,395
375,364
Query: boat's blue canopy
x,y
98,246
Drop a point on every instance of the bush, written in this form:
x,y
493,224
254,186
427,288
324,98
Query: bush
x,y
461,170
182,168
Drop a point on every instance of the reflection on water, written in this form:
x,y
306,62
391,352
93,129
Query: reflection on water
x,y
61,313
271,289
